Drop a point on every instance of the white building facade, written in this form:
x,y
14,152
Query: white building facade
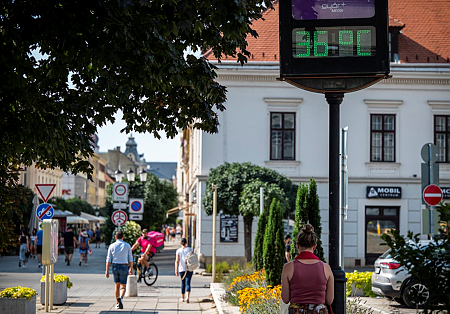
x,y
275,125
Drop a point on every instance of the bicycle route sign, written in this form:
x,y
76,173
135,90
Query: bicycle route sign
x,y
44,211
119,217
136,206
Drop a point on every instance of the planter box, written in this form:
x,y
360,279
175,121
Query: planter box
x,y
18,306
357,292
59,292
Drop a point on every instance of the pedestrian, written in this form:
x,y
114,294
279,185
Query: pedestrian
x,y
38,246
98,234
167,233
287,252
182,271
83,247
121,258
307,282
172,233
32,243
178,231
24,241
70,241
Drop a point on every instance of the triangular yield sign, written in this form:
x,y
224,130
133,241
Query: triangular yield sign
x,y
45,190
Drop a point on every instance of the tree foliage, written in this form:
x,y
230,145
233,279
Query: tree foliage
x,y
308,211
273,247
427,264
258,262
99,57
230,179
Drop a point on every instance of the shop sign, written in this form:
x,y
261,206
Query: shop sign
x,y
384,192
228,228
445,192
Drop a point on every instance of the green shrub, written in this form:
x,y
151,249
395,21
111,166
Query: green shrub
x,y
362,280
222,268
209,268
236,267
18,292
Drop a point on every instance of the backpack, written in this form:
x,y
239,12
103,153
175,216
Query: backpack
x,y
83,245
191,261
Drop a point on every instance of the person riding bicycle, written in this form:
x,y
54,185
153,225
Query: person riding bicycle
x,y
148,249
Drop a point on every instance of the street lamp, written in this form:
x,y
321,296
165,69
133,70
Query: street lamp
x,y
119,176
143,175
130,175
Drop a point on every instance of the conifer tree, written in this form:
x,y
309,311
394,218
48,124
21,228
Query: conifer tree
x,y
273,247
259,241
300,216
307,211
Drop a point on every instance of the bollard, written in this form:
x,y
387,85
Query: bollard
x,y
131,290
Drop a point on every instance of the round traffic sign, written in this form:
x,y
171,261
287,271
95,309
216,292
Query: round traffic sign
x,y
119,217
136,206
432,195
44,211
429,152
120,189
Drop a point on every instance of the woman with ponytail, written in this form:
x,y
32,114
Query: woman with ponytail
x,y
307,282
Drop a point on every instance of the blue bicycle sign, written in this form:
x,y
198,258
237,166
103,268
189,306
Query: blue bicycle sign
x,y
44,211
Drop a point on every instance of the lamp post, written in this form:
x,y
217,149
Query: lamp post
x,y
119,176
131,177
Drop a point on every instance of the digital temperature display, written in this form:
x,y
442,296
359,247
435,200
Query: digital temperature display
x,y
347,41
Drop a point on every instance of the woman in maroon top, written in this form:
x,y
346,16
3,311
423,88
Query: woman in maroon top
x,y
307,282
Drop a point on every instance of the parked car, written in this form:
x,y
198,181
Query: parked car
x,y
391,280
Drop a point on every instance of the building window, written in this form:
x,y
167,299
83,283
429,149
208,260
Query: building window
x,y
101,184
442,137
282,136
382,137
101,167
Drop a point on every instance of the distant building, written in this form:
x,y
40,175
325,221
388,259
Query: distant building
x,y
31,176
163,170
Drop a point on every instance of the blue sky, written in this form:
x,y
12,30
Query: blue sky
x,y
152,148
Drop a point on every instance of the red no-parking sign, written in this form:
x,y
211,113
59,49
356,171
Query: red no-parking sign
x,y
432,195
119,217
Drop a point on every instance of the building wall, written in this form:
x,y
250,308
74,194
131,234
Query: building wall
x,y
32,176
414,95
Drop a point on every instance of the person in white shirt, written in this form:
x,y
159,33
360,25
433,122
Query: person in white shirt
x,y
181,270
121,258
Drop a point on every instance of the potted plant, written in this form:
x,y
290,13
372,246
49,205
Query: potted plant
x,y
60,285
359,284
19,300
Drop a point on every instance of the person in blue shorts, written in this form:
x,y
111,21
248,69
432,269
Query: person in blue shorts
x,y
121,258
38,246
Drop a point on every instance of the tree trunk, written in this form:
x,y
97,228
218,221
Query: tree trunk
x,y
248,221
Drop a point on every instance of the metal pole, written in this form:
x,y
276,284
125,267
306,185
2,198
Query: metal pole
x,y
261,200
431,208
344,192
334,100
47,287
51,285
214,189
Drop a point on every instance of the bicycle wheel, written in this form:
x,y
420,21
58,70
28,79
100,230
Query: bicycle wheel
x,y
151,275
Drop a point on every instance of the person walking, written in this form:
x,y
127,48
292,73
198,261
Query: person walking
x,y
307,282
70,241
98,234
83,247
24,241
287,251
121,258
38,246
32,243
182,271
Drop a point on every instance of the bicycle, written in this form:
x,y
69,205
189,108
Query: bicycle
x,y
151,274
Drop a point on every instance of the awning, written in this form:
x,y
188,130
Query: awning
x,y
76,220
92,218
177,209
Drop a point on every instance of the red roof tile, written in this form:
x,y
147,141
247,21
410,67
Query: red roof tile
x,y
424,37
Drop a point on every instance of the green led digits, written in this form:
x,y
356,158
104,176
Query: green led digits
x,y
362,42
303,43
331,42
324,37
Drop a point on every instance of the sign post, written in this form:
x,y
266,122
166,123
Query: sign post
x,y
333,48
430,177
